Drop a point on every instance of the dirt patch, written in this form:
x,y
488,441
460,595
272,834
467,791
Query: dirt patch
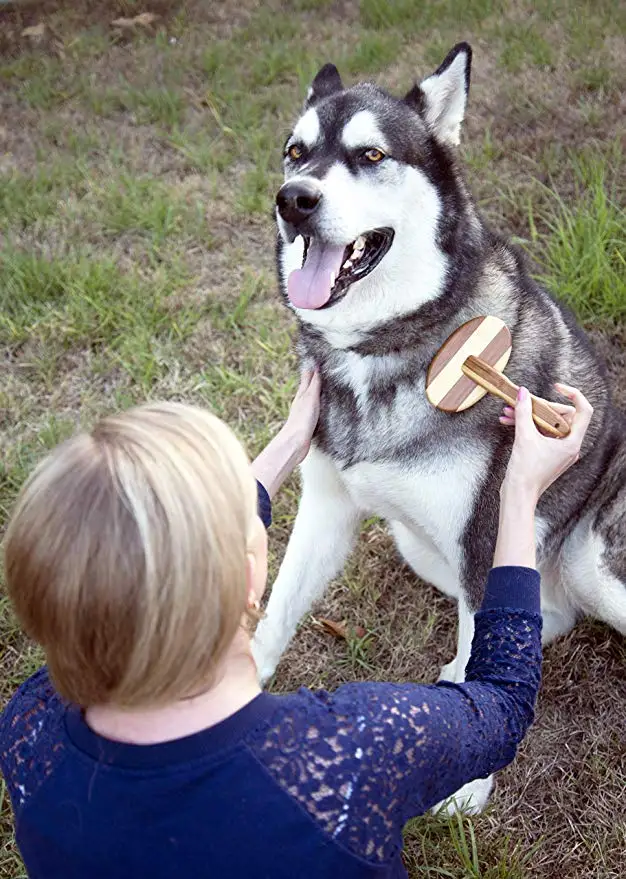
x,y
62,18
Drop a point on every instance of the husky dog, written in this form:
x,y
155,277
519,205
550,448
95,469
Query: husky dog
x,y
381,256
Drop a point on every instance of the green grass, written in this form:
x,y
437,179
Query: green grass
x,y
583,256
372,53
137,178
523,46
38,80
456,840
67,303
597,77
201,153
146,207
160,105
416,15
26,199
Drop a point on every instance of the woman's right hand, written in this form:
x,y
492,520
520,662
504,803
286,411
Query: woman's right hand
x,y
536,460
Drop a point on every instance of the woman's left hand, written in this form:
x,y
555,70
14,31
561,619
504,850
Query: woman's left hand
x,y
291,444
304,412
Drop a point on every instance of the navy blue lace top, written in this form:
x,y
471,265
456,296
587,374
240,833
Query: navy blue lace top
x,y
312,784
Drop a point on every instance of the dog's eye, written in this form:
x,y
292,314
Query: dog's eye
x,y
295,152
374,155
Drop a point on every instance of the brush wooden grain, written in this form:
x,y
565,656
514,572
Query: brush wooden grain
x,y
470,364
499,385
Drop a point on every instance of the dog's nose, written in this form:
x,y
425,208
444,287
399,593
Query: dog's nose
x,y
297,200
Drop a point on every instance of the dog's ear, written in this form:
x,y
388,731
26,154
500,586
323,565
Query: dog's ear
x,y
325,83
441,98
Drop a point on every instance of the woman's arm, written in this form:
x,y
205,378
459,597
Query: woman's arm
x,y
291,444
422,743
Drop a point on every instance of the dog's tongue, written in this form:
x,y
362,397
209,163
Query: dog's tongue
x,y
310,286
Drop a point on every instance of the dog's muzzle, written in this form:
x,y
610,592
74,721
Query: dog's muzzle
x,y
297,201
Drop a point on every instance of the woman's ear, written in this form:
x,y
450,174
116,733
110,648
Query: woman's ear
x,y
252,599
256,564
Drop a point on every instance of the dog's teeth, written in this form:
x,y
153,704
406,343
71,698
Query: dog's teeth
x,y
347,264
332,280
358,249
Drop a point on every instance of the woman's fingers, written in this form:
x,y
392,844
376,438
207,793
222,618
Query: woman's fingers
x,y
583,413
581,403
524,425
568,412
305,380
309,380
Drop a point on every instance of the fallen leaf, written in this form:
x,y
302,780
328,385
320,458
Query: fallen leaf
x,y
144,19
340,629
36,31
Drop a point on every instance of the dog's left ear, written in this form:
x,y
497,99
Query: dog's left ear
x,y
326,82
441,98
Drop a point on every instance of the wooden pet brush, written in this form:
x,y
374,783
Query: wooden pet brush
x,y
471,364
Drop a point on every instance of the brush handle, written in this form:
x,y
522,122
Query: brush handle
x,y
499,385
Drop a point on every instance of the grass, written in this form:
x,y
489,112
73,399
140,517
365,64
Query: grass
x,y
136,260
583,258
77,301
524,45
419,14
457,835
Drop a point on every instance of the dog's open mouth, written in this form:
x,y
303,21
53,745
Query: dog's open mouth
x,y
327,271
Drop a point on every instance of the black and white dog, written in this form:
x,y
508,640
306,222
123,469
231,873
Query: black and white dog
x,y
382,255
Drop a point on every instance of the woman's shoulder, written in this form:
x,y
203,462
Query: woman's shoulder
x,y
331,753
351,708
34,696
29,741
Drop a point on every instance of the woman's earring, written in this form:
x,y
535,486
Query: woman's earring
x,y
254,611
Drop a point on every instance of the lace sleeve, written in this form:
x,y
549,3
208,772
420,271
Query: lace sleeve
x,y
29,744
264,504
368,757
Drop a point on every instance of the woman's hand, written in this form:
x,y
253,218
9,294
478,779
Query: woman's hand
x,y
304,412
536,460
291,444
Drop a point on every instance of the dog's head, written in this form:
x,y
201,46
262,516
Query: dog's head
x,y
368,180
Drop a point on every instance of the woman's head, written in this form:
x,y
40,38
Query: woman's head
x,y
128,556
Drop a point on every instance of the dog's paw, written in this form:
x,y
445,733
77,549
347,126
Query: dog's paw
x,y
470,799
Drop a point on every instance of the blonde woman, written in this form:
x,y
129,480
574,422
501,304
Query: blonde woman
x,y
145,747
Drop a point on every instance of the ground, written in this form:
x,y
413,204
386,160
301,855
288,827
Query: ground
x,y
137,170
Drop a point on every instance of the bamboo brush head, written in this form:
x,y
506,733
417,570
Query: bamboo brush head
x,y
447,387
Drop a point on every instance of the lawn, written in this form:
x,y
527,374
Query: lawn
x,y
138,166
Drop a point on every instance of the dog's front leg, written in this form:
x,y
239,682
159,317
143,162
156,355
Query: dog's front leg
x,y
472,797
323,535
455,671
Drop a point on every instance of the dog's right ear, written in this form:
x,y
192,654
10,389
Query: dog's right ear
x,y
326,83
440,100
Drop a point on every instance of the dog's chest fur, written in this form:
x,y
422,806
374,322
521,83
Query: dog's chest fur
x,y
398,457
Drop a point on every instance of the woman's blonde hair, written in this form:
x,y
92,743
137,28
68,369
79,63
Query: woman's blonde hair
x,y
126,555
